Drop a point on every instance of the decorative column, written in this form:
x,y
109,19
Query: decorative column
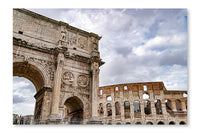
x,y
131,110
164,110
153,109
113,111
95,63
122,110
54,116
173,105
142,109
95,86
183,106
42,100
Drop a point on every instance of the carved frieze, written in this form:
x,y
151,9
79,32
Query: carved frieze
x,y
67,77
94,44
95,47
82,42
64,37
49,66
83,80
72,38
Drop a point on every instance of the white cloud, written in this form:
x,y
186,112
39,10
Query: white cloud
x,y
17,85
23,109
157,44
23,96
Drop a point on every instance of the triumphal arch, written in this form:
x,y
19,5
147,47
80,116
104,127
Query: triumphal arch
x,y
62,62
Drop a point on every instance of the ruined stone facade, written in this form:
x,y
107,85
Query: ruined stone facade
x,y
142,103
63,63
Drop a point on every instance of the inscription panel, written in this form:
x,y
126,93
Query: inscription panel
x,y
35,28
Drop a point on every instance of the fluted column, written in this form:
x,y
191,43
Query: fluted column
x,y
95,86
57,85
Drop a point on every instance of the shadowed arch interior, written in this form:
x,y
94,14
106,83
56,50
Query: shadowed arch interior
x,y
74,110
24,69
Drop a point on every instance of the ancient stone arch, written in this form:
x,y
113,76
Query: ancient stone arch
x,y
74,110
62,62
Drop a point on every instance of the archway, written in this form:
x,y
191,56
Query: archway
x,y
32,73
149,123
171,123
161,123
23,100
182,123
138,123
74,110
29,71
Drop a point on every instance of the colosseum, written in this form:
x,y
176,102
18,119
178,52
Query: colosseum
x,y
63,63
142,103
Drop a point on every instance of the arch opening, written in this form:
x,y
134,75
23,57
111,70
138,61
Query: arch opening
x,y
158,107
171,123
101,111
31,72
117,109
149,123
74,110
138,123
168,105
147,107
178,105
109,109
128,123
182,123
161,123
127,110
23,100
137,110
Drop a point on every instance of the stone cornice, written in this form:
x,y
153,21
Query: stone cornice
x,y
175,92
59,23
22,43
41,91
56,50
96,59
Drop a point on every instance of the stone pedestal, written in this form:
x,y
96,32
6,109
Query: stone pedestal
x,y
95,121
54,119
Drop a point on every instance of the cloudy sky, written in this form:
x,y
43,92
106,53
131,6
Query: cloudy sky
x,y
138,45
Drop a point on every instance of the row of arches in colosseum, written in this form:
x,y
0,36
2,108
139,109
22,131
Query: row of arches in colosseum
x,y
151,123
147,107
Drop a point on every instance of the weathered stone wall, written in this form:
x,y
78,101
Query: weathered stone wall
x,y
58,59
153,92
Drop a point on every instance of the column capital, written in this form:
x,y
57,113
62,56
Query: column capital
x,y
60,49
96,59
42,90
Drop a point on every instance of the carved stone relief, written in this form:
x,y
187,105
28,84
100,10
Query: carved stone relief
x,y
72,38
49,66
95,47
83,80
94,44
68,77
82,42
